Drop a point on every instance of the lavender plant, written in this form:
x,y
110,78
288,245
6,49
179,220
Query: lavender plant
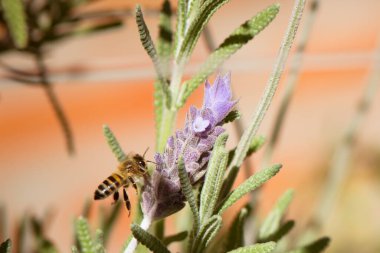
x,y
193,165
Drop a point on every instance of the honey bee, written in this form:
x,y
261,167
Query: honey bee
x,y
133,166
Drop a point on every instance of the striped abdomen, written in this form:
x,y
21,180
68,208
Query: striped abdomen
x,y
109,186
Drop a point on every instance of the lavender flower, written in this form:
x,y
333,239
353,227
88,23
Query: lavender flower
x,y
162,195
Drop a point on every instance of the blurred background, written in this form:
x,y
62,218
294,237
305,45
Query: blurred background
x,y
107,78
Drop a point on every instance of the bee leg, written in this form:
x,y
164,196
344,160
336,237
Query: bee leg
x,y
115,197
127,203
133,183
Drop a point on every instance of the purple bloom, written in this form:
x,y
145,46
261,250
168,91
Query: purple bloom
x,y
162,195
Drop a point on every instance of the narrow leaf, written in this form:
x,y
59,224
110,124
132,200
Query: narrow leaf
x,y
148,240
207,233
114,144
272,222
149,47
256,248
6,246
250,184
315,247
235,237
241,36
280,232
232,116
175,238
207,10
214,178
99,242
256,143
82,231
188,192
181,23
14,15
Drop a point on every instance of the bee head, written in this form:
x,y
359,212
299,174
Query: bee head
x,y
141,162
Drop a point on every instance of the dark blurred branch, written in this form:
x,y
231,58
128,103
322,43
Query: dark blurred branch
x,y
48,87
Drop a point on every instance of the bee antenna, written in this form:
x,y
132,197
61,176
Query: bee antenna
x,y
151,162
146,150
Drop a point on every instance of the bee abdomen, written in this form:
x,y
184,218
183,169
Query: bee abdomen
x,y
109,186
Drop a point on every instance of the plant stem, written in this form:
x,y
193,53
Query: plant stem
x,y
271,87
57,108
341,158
145,224
294,73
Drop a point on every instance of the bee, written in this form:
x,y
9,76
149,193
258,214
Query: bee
x,y
133,166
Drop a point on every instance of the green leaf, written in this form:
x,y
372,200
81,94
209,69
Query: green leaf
x,y
82,231
114,144
241,36
315,247
188,192
232,116
181,22
14,15
214,178
6,246
273,221
283,230
207,10
250,184
207,233
175,238
256,248
235,237
149,47
148,240
256,143
99,242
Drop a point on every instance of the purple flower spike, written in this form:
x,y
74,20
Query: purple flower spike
x,y
162,194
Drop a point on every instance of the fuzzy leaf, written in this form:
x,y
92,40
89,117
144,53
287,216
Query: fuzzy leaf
x,y
314,247
250,184
6,246
175,238
149,47
114,144
188,192
181,22
99,242
241,36
148,240
256,143
207,233
16,21
82,231
214,178
232,116
256,248
283,230
272,222
74,249
207,10
235,237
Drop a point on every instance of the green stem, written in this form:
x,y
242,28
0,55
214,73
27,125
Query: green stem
x,y
290,85
166,129
271,87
